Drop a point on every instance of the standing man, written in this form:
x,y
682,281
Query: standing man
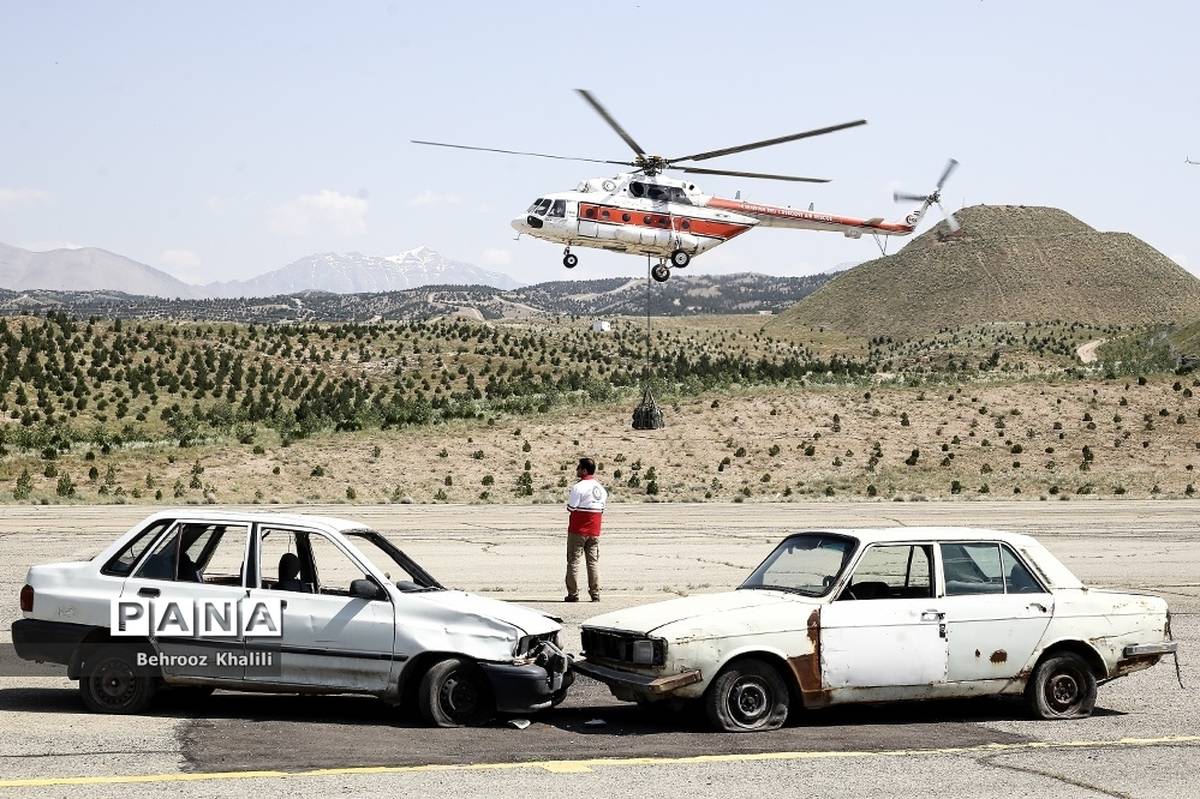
x,y
586,507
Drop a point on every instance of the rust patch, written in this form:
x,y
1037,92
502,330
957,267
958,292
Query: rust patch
x,y
807,668
814,629
999,656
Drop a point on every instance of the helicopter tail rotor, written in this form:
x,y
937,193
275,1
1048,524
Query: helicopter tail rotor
x,y
933,198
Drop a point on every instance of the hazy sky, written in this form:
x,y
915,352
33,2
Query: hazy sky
x,y
220,140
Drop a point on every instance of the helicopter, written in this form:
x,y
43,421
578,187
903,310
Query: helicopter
x,y
644,212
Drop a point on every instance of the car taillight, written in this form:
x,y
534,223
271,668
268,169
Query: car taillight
x,y
27,599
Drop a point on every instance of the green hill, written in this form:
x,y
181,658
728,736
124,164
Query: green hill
x,y
1008,264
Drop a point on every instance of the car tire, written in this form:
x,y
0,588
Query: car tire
x,y
455,693
1062,687
748,696
110,681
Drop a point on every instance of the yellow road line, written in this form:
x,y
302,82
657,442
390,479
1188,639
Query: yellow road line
x,y
586,765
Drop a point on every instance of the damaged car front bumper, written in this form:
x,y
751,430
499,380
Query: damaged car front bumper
x,y
533,684
630,685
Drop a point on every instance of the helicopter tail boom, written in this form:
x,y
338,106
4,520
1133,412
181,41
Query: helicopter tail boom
x,y
777,216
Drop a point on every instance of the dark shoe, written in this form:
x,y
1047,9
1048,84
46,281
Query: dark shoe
x,y
595,597
569,598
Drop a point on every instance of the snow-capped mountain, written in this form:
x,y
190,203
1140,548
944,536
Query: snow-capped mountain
x,y
355,273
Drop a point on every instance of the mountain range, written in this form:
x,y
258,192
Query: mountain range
x,y
94,269
682,295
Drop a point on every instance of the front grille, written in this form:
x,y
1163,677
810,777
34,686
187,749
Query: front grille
x,y
618,646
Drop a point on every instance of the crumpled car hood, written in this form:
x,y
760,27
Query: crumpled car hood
x,y
648,618
530,621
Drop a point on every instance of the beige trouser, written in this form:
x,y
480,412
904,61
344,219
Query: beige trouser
x,y
589,547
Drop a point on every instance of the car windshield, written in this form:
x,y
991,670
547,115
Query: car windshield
x,y
387,558
808,563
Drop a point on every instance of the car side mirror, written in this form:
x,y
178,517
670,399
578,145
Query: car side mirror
x,y
366,589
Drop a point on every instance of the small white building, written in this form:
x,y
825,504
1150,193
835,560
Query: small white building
x,y
601,326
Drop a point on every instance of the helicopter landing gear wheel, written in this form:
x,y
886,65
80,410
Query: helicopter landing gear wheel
x,y
570,260
660,272
680,259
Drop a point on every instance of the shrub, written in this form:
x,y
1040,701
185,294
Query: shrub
x,y
24,485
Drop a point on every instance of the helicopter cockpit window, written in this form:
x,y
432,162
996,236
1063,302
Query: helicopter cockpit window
x,y
559,208
539,206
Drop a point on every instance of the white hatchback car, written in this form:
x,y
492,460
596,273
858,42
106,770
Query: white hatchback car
x,y
356,616
879,615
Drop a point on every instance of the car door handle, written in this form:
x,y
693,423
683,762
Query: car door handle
x,y
1038,606
932,615
148,592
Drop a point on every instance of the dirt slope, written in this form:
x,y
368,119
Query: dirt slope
x,y
1008,264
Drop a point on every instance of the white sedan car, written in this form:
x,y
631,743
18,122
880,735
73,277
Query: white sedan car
x,y
355,615
880,615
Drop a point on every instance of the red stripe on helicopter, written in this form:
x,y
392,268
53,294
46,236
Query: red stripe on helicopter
x,y
613,215
754,209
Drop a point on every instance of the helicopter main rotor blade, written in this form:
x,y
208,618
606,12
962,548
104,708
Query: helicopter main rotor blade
x,y
768,142
760,175
612,123
519,152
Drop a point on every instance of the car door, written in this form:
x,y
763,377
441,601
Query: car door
x,y
330,638
884,629
996,610
195,569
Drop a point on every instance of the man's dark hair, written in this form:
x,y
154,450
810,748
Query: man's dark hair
x,y
588,465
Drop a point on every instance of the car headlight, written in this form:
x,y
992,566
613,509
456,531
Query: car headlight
x,y
642,653
527,644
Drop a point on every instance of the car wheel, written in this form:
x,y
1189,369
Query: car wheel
x,y
1062,687
748,696
455,693
110,681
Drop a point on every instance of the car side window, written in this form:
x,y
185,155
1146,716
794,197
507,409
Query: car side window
x,y
283,559
122,563
216,551
334,569
892,571
972,568
1017,578
198,552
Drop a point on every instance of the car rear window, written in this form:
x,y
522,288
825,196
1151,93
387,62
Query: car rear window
x,y
122,563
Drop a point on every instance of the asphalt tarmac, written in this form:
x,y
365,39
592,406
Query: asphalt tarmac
x,y
1142,741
